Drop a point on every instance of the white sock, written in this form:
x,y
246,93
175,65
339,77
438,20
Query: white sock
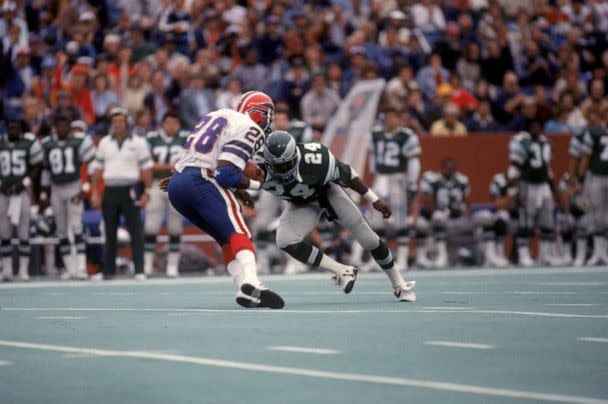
x,y
356,254
68,264
24,263
329,264
148,262
81,265
247,260
173,263
403,253
395,276
7,266
236,271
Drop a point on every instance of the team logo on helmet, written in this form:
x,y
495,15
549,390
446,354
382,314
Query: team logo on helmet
x,y
259,107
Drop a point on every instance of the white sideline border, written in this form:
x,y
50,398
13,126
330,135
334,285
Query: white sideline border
x,y
202,279
319,374
456,344
289,311
301,349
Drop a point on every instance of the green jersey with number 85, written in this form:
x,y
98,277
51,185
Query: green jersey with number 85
x,y
532,156
16,158
64,158
317,167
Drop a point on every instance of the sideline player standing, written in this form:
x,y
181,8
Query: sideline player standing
x,y
201,189
311,179
64,154
20,158
166,145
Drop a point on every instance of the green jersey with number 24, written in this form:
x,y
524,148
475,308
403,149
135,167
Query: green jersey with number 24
x,y
317,169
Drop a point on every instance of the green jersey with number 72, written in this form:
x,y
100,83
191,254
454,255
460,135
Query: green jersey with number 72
x,y
317,168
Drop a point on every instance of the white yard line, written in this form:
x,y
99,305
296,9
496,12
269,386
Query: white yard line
x,y
319,374
455,344
5,363
58,318
448,308
571,283
288,311
571,304
592,339
300,349
533,292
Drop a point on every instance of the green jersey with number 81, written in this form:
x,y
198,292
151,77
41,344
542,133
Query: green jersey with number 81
x,y
532,156
166,149
64,158
17,157
317,167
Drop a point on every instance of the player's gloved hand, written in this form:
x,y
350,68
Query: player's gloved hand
x,y
383,208
245,198
164,184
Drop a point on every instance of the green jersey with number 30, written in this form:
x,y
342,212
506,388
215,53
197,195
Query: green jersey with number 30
x,y
596,145
532,156
166,149
317,168
64,158
17,157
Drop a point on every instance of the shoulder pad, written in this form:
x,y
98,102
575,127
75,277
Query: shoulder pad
x,y
46,139
377,128
153,133
79,135
460,177
29,136
183,133
521,136
406,131
430,176
298,124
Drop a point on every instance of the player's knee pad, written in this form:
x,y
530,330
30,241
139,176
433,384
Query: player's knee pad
x,y
439,218
383,256
80,244
305,253
5,247
484,218
175,241
546,234
24,248
64,246
239,242
149,242
501,227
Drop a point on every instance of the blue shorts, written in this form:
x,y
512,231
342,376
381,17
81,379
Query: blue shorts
x,y
208,206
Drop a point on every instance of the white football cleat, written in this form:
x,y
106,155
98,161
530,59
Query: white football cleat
x,y
140,277
346,279
404,293
525,260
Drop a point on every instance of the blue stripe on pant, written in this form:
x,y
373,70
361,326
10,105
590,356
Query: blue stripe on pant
x,y
201,202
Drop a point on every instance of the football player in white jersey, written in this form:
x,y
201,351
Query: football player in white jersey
x,y
207,181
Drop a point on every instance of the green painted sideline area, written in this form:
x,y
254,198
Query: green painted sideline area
x,y
473,336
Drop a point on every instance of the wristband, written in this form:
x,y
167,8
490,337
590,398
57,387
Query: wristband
x,y
254,185
86,187
26,182
371,196
43,196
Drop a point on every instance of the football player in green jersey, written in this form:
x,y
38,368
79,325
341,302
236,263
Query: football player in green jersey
x,y
530,156
395,152
166,145
20,158
300,130
64,154
595,167
312,180
572,225
444,198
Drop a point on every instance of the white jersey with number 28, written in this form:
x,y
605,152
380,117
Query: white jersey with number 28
x,y
224,134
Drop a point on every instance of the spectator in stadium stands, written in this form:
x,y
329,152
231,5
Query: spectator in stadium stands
x,y
195,101
269,44
132,97
438,104
295,85
468,66
559,124
143,122
416,106
396,90
432,75
121,160
319,104
509,99
449,125
103,96
497,62
252,74
122,68
80,94
65,105
155,100
357,60
482,119
34,117
175,24
44,85
460,96
597,96
575,116
429,18
450,47
526,112
544,109
228,97
335,79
